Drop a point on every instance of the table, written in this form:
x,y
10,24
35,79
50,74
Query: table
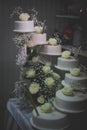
x,y
19,119
16,118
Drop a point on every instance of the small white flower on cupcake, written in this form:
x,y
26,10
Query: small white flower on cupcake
x,y
34,88
75,71
49,82
24,16
66,54
46,69
68,91
40,99
30,73
52,41
38,29
46,108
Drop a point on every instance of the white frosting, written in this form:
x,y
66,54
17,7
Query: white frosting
x,y
79,82
50,121
66,64
51,50
71,104
24,26
39,38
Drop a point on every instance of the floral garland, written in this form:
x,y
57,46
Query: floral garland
x,y
43,82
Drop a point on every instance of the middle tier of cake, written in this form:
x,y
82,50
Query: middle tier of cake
x,y
66,64
51,50
75,103
76,82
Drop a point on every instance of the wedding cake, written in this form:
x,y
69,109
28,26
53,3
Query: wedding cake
x,y
24,24
52,48
76,79
43,83
53,120
66,61
70,102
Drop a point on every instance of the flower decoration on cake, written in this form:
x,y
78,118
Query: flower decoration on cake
x,y
58,36
66,54
46,108
52,41
21,39
68,91
42,82
75,71
24,16
38,29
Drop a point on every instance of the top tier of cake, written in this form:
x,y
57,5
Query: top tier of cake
x,y
24,26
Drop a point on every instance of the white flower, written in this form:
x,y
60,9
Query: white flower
x,y
30,73
35,59
38,29
46,69
68,91
34,88
66,54
75,71
49,82
24,17
46,108
30,44
40,99
52,41
55,76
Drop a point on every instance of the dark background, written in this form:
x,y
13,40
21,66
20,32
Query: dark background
x,y
47,9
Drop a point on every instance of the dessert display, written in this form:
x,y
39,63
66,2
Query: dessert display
x,y
51,98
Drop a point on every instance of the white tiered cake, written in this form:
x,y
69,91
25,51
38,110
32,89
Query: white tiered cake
x,y
75,102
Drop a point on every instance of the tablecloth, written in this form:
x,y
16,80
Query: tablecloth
x,y
18,119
